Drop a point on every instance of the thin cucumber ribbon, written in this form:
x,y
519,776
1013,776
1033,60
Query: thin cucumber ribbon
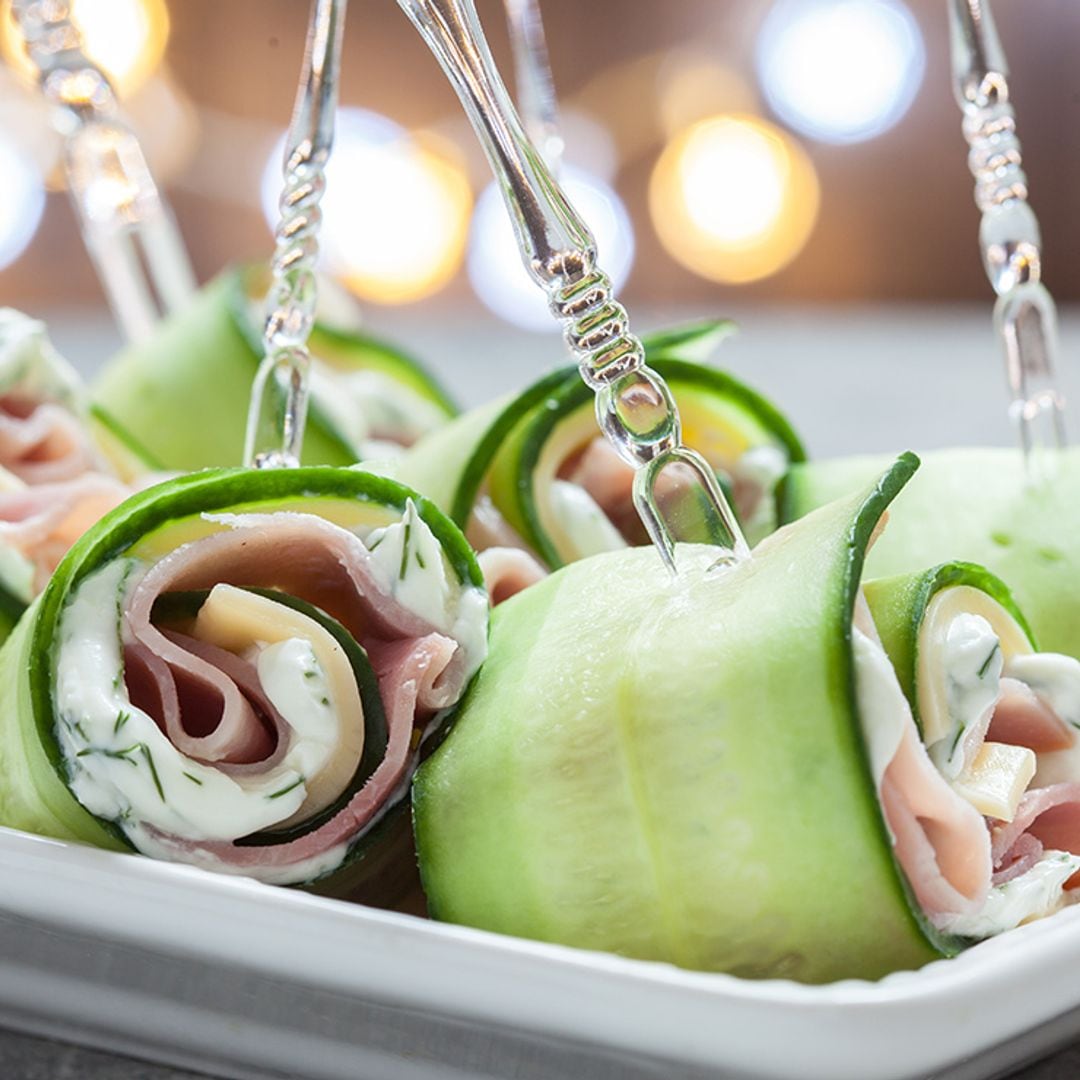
x,y
184,392
532,482
719,771
62,463
980,505
239,670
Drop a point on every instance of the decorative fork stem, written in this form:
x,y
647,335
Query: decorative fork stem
x,y
279,395
634,406
1024,315
127,227
537,101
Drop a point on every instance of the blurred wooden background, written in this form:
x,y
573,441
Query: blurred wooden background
x,y
897,219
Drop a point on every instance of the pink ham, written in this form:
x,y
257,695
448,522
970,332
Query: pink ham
x,y
419,670
43,522
940,841
1021,718
508,571
42,443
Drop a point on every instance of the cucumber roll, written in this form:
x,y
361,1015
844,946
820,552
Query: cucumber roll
x,y
1000,721
62,464
237,670
708,771
979,505
184,393
532,479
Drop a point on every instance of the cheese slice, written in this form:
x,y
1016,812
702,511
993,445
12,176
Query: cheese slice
x,y
997,779
320,701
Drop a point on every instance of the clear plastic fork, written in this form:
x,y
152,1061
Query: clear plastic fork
x,y
634,406
1025,316
127,227
279,394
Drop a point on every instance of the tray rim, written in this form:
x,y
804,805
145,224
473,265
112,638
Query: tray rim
x,y
959,1005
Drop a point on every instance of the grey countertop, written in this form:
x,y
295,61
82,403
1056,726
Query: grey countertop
x,y
864,379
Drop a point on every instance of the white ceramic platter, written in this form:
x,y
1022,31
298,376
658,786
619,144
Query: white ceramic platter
x,y
243,980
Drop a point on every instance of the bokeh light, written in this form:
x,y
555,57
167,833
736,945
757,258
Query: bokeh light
x,y
22,201
126,38
396,209
497,274
733,198
840,70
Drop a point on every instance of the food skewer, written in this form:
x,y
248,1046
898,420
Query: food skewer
x,y
127,227
538,102
279,394
634,406
1025,315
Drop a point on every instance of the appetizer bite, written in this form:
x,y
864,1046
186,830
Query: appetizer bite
x,y
535,485
722,771
367,399
975,504
62,465
236,669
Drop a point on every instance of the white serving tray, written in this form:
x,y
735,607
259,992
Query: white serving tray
x,y
244,980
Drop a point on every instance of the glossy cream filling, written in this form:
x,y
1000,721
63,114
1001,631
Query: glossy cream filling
x,y
374,413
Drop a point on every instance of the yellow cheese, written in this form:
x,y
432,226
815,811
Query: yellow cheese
x,y
236,620
995,781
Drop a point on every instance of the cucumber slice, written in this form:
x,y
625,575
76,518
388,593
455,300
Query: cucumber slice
x,y
34,779
184,393
977,505
721,418
511,449
898,605
675,770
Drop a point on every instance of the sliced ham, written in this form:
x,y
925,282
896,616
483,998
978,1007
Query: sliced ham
x,y
42,443
508,571
43,522
1021,718
420,669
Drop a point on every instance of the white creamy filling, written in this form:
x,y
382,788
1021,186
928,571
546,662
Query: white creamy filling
x,y
408,563
972,661
761,466
1054,678
883,709
31,366
1032,895
122,767
364,406
585,525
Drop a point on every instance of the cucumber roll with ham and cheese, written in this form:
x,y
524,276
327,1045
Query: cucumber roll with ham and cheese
x,y
367,398
536,486
980,505
62,464
722,770
237,670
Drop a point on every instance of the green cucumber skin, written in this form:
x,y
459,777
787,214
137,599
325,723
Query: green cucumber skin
x,y
451,465
184,393
898,605
574,395
674,769
33,794
976,505
32,769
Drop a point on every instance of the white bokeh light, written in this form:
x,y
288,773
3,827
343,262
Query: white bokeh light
x,y
22,201
495,269
395,215
840,71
